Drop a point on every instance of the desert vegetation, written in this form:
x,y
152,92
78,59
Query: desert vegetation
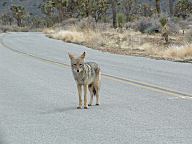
x,y
155,28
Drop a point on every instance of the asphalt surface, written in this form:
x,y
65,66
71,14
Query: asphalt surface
x,y
38,98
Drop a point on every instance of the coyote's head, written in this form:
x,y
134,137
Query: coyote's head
x,y
77,62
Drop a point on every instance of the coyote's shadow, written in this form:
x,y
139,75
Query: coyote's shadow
x,y
58,110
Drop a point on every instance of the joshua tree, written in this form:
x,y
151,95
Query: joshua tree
x,y
99,8
7,19
128,8
94,8
158,8
47,8
61,6
171,7
18,13
114,12
165,29
147,10
84,8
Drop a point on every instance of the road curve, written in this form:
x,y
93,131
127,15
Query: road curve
x,y
38,96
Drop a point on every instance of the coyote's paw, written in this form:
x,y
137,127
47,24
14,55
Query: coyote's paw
x,y
79,107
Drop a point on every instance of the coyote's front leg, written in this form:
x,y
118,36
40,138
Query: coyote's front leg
x,y
85,96
79,87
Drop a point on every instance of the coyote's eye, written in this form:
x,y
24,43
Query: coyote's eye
x,y
80,64
74,64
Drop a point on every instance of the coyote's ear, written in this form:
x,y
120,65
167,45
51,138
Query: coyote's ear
x,y
83,55
71,56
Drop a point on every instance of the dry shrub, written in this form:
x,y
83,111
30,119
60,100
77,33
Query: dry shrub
x,y
84,31
87,23
123,40
93,38
48,31
178,52
68,36
13,28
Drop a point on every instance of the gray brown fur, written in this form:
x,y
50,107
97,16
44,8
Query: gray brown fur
x,y
86,75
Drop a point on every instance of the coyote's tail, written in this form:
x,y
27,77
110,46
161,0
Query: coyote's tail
x,y
94,87
94,90
98,77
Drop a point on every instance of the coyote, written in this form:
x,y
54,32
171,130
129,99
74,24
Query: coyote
x,y
88,75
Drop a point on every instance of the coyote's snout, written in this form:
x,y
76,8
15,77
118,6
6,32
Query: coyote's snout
x,y
86,75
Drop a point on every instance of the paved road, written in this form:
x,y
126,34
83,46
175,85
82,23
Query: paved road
x,y
38,98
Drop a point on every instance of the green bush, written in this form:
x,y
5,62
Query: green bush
x,y
163,21
120,19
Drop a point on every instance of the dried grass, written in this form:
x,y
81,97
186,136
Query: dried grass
x,y
68,36
75,35
123,41
48,31
13,28
178,52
